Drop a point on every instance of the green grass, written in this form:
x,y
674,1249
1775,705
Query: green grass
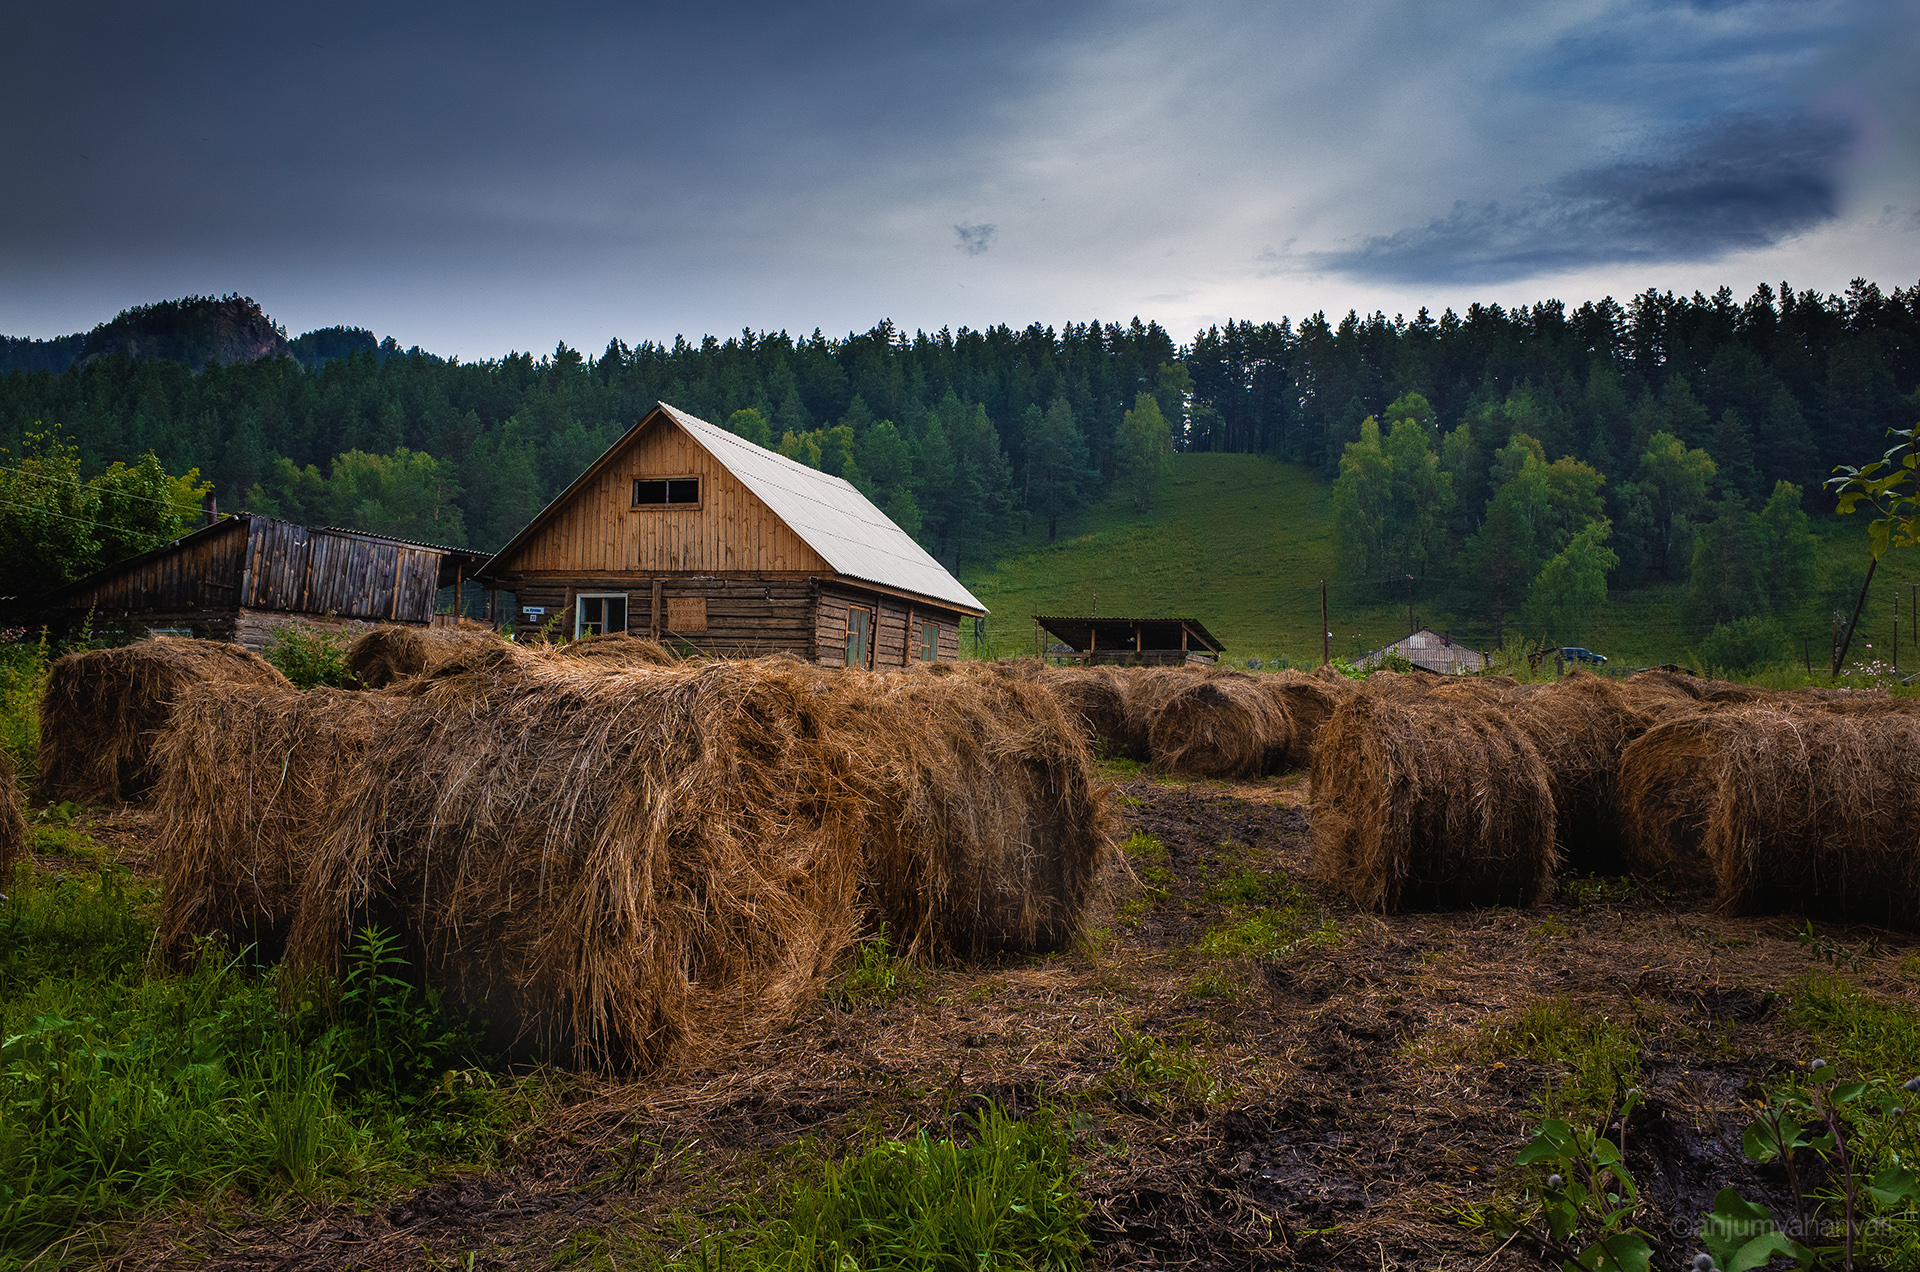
x,y
1267,915
999,1194
1594,1058
1241,542
127,1090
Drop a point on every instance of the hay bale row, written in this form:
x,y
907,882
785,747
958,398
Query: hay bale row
x,y
386,656
630,865
103,711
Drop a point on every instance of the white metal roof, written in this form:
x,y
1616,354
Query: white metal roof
x,y
835,519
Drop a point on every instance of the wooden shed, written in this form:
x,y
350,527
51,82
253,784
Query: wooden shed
x,y
244,576
686,533
1431,651
1129,641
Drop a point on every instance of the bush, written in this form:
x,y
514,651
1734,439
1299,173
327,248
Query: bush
x,y
309,656
1742,645
23,678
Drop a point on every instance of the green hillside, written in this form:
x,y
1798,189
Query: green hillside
x,y
1241,543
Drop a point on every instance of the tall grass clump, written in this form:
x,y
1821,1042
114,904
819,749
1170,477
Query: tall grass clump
x,y
23,678
125,1091
999,1193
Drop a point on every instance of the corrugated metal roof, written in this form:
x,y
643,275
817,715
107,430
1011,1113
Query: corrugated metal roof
x,y
835,519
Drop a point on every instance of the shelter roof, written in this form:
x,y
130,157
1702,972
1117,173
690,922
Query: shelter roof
x,y
1432,651
1116,633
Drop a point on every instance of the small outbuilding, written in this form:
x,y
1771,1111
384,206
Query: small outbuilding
x,y
694,536
245,576
1129,641
1431,651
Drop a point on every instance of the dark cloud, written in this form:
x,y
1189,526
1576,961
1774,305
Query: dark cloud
x,y
974,239
1738,183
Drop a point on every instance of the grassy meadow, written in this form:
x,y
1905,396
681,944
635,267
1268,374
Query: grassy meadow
x,y
1242,542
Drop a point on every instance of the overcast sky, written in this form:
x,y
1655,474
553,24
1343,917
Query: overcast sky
x,y
476,178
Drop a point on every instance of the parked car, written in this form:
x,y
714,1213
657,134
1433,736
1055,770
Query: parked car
x,y
1575,654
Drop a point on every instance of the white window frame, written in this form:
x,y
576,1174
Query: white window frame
x,y
580,609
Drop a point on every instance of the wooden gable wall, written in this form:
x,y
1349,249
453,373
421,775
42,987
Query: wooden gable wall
x,y
599,530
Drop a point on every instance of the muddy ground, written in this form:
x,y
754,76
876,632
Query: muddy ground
x,y
1332,1105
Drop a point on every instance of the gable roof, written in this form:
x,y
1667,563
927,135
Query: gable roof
x,y
1432,651
833,518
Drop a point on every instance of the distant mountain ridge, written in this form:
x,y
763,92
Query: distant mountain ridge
x,y
196,331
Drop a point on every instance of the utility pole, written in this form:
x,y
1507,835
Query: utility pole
x,y
1836,646
1410,627
1806,651
1326,633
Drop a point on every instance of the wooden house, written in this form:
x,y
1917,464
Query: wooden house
x,y
244,576
1137,642
686,533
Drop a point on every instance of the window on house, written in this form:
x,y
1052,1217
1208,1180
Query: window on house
x,y
859,635
597,613
929,642
674,490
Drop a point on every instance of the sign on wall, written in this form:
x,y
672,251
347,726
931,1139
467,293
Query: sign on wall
x,y
686,613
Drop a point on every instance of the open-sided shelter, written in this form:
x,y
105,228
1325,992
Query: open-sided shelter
x,y
688,534
1138,642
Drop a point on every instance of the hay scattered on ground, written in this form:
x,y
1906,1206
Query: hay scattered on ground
x,y
13,826
1816,812
1581,725
387,655
987,826
253,782
1224,726
104,709
1663,793
1424,802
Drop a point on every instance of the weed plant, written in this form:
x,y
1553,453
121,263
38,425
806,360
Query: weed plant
x,y
23,678
996,1193
124,1091
877,977
308,656
1594,1059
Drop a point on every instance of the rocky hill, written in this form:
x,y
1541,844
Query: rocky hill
x,y
197,331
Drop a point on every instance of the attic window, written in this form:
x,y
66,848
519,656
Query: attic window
x,y
657,491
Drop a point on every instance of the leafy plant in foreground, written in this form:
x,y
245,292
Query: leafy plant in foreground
x,y
1580,1211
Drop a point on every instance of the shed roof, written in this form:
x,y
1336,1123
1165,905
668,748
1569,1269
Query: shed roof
x,y
1118,633
832,517
1433,651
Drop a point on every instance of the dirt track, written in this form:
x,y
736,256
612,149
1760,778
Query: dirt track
x,y
1348,1097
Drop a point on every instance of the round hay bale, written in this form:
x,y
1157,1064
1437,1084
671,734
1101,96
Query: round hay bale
x,y
1094,697
1148,689
387,655
1663,792
621,649
987,827
1816,813
1581,725
1224,726
625,867
13,826
1418,802
253,782
1308,701
104,709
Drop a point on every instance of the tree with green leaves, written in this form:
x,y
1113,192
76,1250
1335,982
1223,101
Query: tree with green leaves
x,y
1572,585
1144,451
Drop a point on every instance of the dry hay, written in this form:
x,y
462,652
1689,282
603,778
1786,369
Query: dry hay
x,y
620,866
1815,812
1663,793
253,781
1580,726
13,826
1224,726
387,655
1096,698
1419,801
987,827
622,649
104,709
1308,700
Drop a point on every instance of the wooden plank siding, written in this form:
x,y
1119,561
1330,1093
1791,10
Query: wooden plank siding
x,y
744,616
600,530
256,564
894,644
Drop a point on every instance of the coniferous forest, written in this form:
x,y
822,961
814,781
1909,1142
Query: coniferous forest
x,y
1541,450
